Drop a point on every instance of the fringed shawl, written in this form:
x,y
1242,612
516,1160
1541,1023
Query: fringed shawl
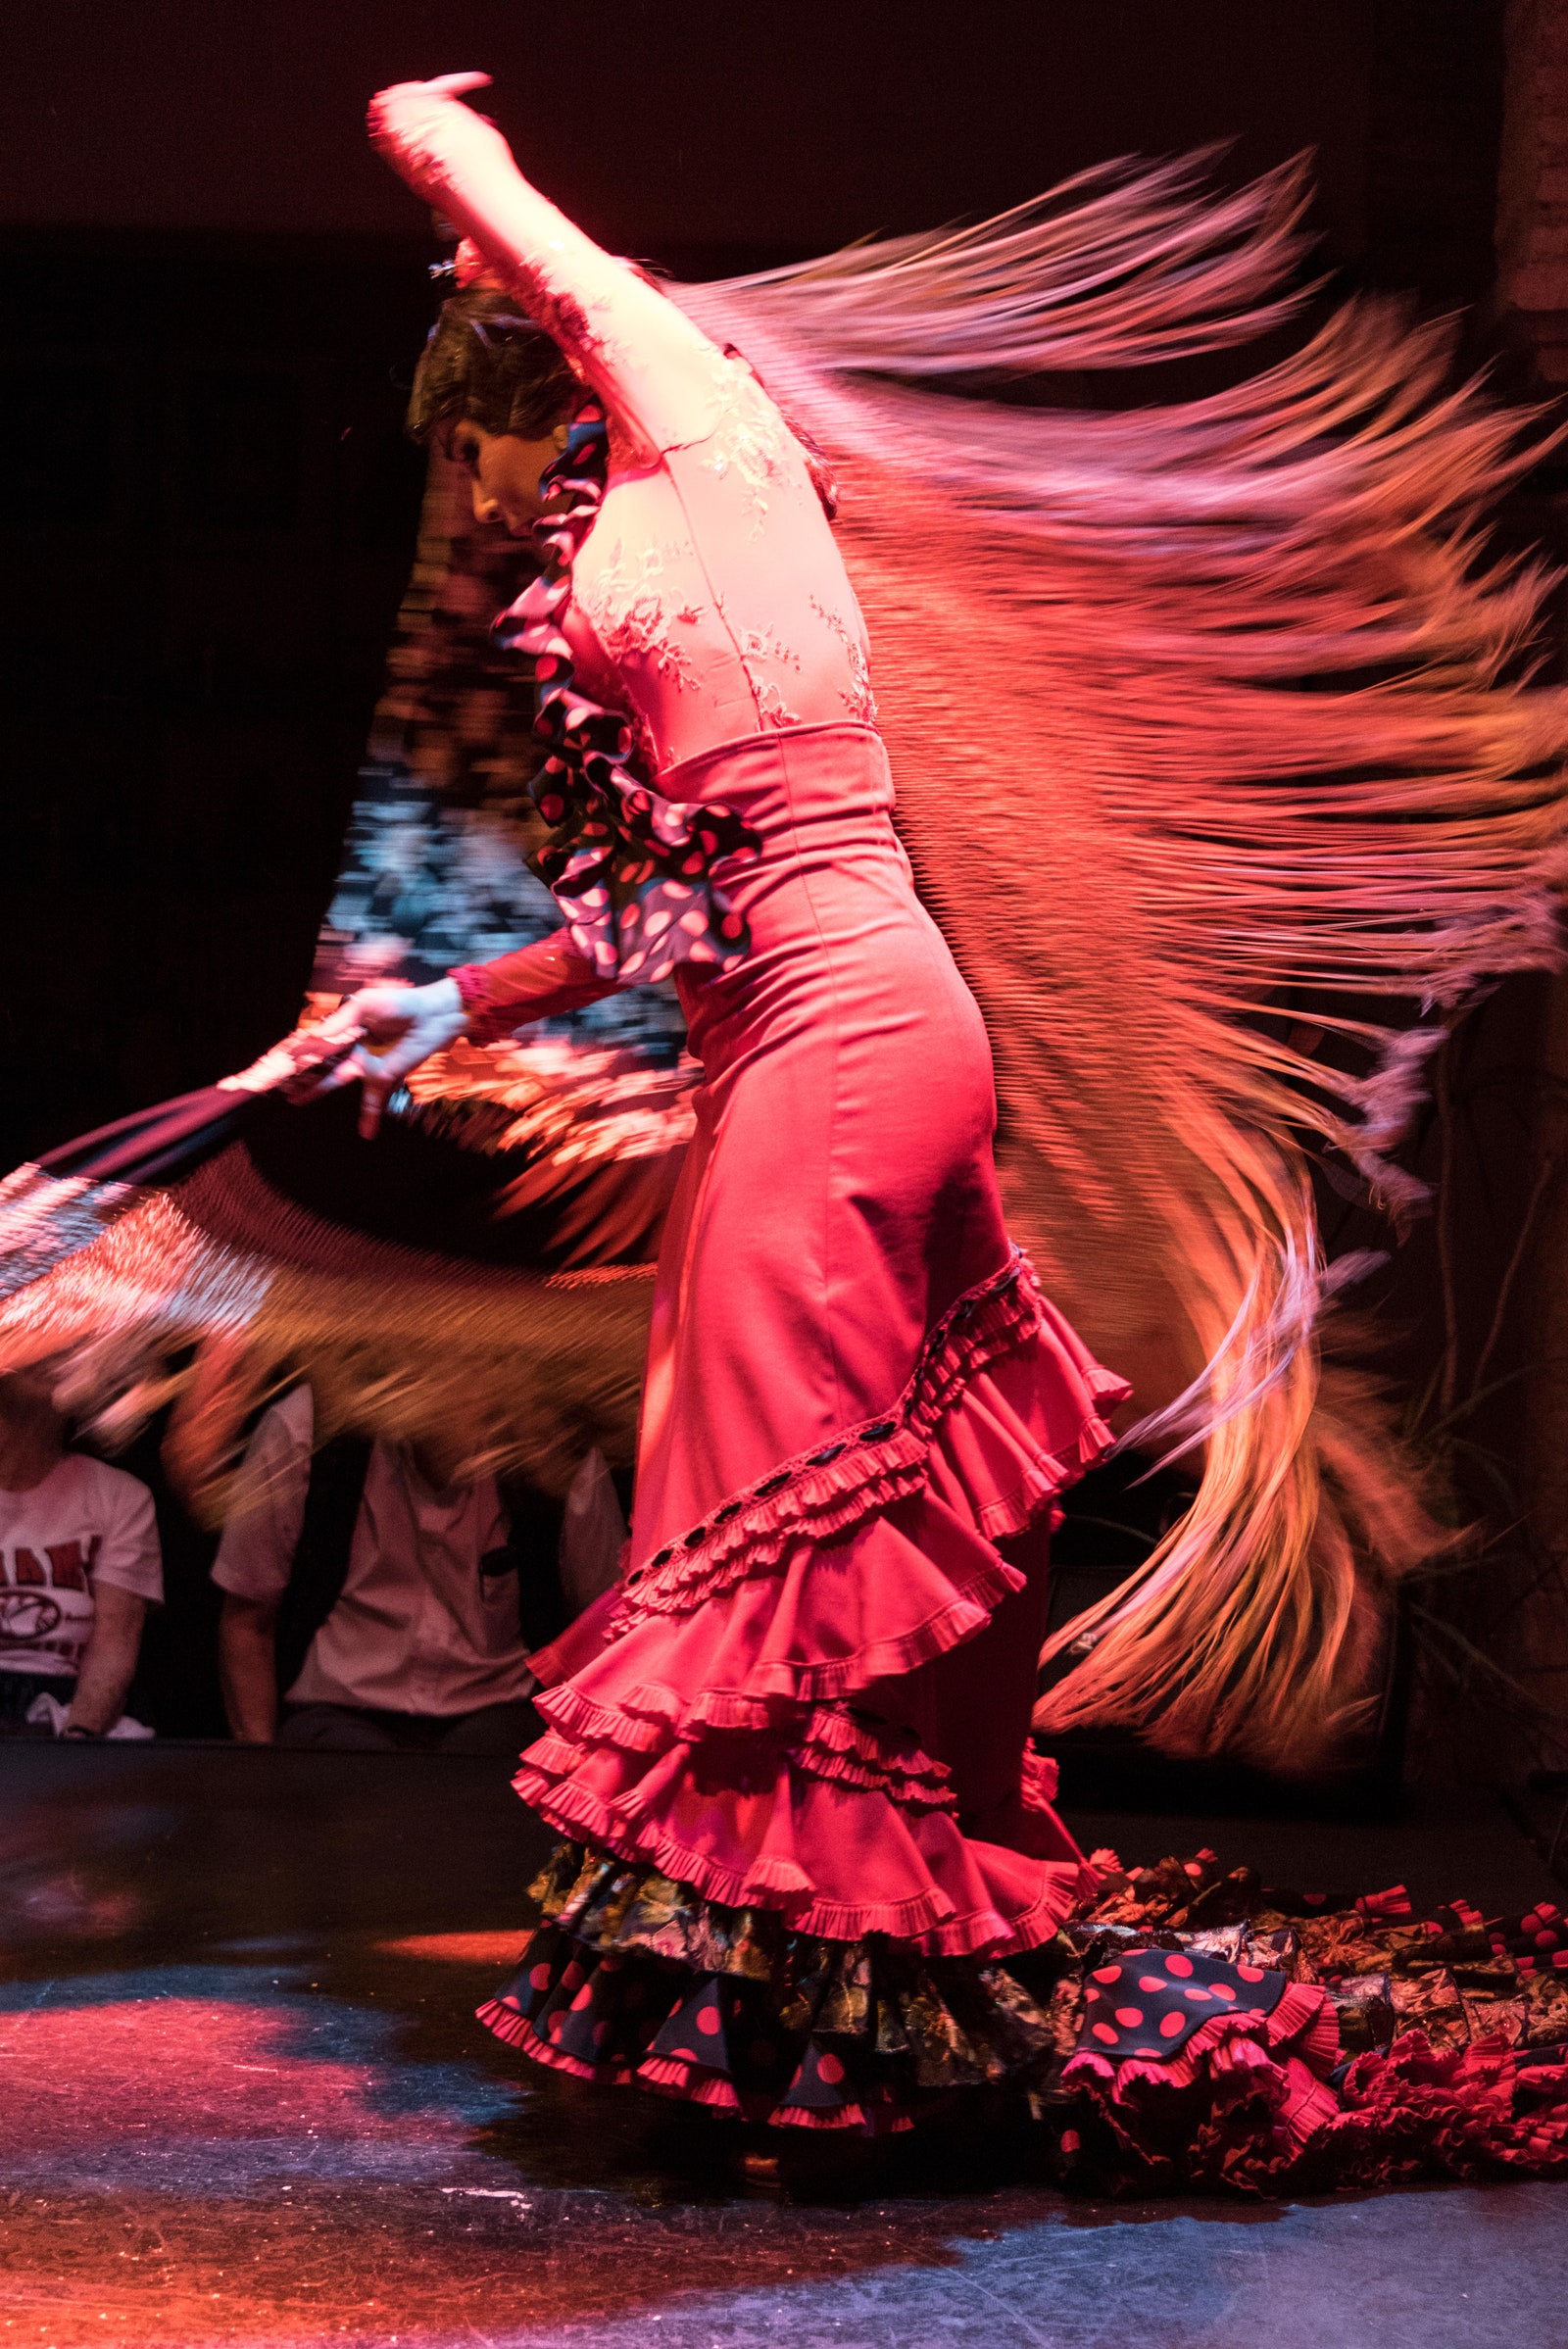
x,y
1216,769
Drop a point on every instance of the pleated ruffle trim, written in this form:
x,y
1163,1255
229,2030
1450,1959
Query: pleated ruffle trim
x,y
820,1494
732,1721
826,1742
965,1897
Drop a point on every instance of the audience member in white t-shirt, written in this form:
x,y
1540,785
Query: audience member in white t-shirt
x,y
80,1566
420,1645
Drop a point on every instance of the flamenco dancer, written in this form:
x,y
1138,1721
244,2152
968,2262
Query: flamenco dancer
x,y
1219,765
792,1748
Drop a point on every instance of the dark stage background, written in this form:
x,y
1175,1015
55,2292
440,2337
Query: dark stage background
x,y
212,292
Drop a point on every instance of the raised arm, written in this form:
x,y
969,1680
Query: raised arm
x,y
656,372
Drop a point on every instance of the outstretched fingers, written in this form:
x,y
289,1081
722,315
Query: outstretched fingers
x,y
375,1091
364,1069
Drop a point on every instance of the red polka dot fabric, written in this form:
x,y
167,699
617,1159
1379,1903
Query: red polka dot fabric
x,y
1189,2029
790,2047
1537,1942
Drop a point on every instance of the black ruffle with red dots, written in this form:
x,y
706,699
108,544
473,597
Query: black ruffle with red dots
x,y
1170,2036
633,1979
631,872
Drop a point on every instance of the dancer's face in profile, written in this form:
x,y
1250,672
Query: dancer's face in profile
x,y
505,471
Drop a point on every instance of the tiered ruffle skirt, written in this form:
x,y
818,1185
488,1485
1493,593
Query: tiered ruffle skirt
x,y
802,1845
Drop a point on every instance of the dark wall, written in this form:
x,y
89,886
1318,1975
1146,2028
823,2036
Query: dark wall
x,y
206,533
665,121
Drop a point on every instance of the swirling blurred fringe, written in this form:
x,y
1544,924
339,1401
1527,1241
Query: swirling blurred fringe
x,y
1214,734
216,1292
1219,765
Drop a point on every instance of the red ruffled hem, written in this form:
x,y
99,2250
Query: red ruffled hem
x,y
904,1591
518,2032
1303,2021
631,1979
1469,2112
744,1848
824,1742
1243,2103
688,2083
708,1728
1257,2117
639,1982
1007,1463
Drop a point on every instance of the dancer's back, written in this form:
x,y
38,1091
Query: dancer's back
x,y
710,598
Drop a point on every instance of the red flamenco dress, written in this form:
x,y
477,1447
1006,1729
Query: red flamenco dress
x,y
811,1849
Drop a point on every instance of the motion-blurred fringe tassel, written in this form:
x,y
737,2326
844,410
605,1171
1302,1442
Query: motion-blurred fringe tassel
x,y
1208,719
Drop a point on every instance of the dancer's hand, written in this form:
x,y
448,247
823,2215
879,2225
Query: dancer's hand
x,y
423,130
297,1066
396,1028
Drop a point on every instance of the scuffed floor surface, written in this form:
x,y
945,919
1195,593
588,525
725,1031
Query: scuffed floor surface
x,y
243,2101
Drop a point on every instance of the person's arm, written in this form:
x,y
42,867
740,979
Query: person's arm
x,y
537,982
252,1567
652,367
110,1662
127,1577
247,1667
401,1026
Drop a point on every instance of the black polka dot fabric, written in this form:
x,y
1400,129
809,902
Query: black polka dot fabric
x,y
1149,2003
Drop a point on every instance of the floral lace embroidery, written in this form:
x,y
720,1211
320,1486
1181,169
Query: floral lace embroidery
x,y
632,614
762,644
858,697
750,438
772,704
632,872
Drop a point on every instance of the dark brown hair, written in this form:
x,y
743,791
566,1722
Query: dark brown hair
x,y
487,362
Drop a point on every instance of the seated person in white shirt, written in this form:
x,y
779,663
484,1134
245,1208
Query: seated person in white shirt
x,y
369,1603
80,1566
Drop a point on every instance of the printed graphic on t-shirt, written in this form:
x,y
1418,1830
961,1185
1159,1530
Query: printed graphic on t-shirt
x,y
46,1607
86,1522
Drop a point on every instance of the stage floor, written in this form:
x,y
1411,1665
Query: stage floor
x,y
244,2102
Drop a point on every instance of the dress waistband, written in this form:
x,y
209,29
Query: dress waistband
x,y
791,773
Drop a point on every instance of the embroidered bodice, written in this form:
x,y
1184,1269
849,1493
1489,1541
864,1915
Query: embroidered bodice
x,y
708,600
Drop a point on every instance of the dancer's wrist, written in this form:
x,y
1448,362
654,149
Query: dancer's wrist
x,y
472,994
445,1001
430,138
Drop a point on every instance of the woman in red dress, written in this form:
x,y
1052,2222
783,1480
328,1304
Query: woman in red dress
x,y
808,1836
